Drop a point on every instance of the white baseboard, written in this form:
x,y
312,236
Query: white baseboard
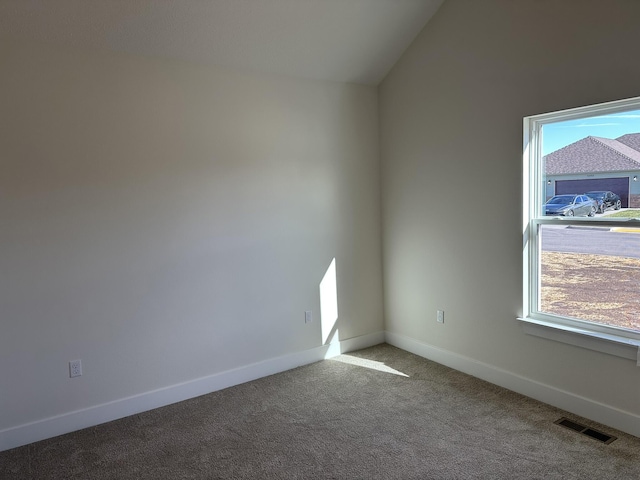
x,y
106,412
584,407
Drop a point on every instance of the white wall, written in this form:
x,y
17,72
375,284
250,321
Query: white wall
x,y
165,222
451,146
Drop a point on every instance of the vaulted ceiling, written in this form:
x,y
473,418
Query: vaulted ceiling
x,y
340,40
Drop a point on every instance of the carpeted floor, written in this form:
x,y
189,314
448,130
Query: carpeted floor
x,y
380,413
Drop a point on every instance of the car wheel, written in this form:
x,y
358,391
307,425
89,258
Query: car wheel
x,y
602,208
592,212
569,213
618,205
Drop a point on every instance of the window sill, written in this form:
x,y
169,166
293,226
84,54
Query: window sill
x,y
600,342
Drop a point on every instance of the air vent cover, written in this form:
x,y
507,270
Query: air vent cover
x,y
583,429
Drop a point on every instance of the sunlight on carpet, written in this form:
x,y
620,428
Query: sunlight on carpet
x,y
363,362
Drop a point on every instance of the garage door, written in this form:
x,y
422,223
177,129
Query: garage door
x,y
616,185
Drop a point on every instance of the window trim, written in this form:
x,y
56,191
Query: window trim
x,y
607,339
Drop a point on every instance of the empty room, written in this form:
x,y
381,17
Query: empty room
x,y
309,239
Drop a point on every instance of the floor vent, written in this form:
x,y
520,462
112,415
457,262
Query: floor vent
x,y
589,432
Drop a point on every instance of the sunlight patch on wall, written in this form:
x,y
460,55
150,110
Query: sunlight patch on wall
x,y
329,306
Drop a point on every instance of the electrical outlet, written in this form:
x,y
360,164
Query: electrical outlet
x,y
75,368
308,316
440,316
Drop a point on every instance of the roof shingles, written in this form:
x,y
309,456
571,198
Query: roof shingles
x,y
631,139
595,154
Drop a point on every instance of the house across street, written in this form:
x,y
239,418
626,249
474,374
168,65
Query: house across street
x,y
596,163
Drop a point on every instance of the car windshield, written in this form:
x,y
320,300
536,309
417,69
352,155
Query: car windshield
x,y
561,200
596,195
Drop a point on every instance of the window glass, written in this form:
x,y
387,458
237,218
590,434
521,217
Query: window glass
x,y
590,273
582,217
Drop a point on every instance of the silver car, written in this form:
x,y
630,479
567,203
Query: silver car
x,y
570,205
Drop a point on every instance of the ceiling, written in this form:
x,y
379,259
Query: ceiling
x,y
340,40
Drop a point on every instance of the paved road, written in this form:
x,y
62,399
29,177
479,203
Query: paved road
x,y
590,240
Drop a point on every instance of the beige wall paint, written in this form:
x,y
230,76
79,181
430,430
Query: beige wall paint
x,y
451,146
164,222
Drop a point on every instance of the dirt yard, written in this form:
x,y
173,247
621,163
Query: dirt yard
x,y
599,288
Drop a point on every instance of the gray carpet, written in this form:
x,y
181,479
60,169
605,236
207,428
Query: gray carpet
x,y
338,419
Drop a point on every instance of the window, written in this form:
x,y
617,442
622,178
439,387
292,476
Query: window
x,y
581,226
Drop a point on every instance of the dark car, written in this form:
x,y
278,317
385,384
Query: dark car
x,y
605,199
570,205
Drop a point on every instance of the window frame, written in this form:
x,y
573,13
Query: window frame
x,y
604,338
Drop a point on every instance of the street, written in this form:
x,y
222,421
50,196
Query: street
x,y
595,240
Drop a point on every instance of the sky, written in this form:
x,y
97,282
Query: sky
x,y
561,134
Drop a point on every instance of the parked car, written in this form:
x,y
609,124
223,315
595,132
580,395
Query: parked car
x,y
570,205
605,199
